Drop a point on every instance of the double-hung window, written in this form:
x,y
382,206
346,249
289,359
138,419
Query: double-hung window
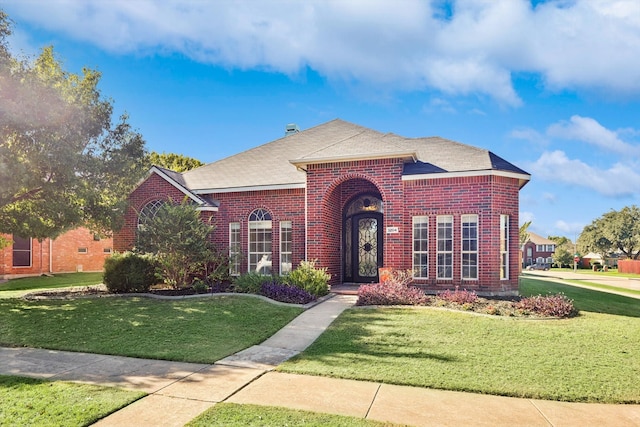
x,y
469,246
21,251
444,255
421,247
234,248
286,247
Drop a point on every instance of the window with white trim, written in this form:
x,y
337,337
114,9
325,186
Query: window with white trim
x,y
286,247
260,241
149,211
469,246
21,251
234,248
444,255
504,247
421,247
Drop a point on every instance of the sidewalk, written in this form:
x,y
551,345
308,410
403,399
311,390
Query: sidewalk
x,y
178,392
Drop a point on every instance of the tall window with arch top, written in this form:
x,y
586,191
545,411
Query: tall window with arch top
x,y
260,251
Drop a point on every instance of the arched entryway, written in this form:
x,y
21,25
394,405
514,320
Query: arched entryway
x,y
363,243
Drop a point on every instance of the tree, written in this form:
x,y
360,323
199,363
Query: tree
x,y
175,162
613,231
179,239
563,255
523,233
63,163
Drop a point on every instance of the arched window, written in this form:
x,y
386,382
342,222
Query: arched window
x,y
149,211
260,241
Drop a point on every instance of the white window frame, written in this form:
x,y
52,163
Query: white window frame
x,y
286,247
260,242
504,247
234,248
444,247
149,211
469,246
420,247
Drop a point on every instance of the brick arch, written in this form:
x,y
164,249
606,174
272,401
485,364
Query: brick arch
x,y
335,184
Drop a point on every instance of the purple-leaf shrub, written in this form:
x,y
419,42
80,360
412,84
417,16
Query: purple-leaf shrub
x,y
390,293
458,296
557,305
285,293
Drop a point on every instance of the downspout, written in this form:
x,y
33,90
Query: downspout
x,y
50,255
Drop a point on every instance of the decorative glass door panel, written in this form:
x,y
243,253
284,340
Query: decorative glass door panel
x,y
362,241
368,247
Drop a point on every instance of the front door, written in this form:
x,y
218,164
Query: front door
x,y
366,248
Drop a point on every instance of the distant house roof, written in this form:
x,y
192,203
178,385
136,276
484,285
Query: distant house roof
x,y
282,163
539,240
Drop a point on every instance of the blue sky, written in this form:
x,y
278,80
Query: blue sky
x,y
551,86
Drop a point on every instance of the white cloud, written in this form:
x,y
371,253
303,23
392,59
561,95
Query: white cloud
x,y
530,135
619,180
526,217
571,228
582,45
590,131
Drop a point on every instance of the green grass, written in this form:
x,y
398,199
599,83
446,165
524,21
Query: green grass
x,y
584,299
612,272
195,330
15,288
230,414
32,402
594,357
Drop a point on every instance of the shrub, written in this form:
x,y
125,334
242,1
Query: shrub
x,y
199,286
129,272
285,293
250,283
309,278
557,305
390,293
457,296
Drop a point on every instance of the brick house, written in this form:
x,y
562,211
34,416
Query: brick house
x,y
75,250
355,200
538,250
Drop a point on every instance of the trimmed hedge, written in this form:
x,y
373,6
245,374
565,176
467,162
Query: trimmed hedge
x,y
129,272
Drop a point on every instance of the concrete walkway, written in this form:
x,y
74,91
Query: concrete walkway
x,y
178,392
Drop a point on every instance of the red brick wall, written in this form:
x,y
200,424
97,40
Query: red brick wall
x,y
154,188
284,205
67,258
59,256
331,186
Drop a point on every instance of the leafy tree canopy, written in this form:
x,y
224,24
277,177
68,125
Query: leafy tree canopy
x,y
179,240
63,163
563,255
175,162
613,231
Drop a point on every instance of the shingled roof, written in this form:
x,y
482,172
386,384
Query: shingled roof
x,y
281,163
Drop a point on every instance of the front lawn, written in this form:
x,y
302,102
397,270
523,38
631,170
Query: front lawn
x,y
15,288
32,402
200,330
594,357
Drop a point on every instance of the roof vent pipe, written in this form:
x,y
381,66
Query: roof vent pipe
x,y
290,129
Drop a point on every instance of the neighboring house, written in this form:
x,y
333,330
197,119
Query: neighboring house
x,y
75,250
538,250
355,200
